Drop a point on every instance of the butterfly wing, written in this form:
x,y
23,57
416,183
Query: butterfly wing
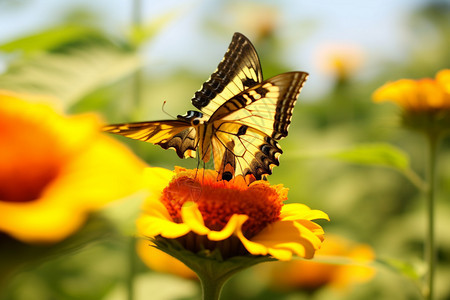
x,y
239,70
171,134
247,127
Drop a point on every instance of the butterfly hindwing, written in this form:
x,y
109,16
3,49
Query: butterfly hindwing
x,y
250,124
240,69
242,150
170,134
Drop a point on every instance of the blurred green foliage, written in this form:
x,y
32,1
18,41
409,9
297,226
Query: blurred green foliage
x,y
331,158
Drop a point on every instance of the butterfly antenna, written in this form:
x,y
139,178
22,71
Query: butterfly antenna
x,y
164,111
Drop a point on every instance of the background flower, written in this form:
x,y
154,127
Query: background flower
x,y
312,275
425,102
343,61
55,170
422,95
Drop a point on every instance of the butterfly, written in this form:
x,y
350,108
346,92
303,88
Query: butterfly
x,y
241,119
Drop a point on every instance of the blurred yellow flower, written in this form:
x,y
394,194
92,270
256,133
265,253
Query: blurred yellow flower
x,y
312,275
54,170
423,95
263,23
203,213
340,60
159,261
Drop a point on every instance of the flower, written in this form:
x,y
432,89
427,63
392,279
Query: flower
x,y
340,60
312,275
55,170
425,102
159,261
262,25
232,217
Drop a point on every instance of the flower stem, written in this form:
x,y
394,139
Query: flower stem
x,y
430,248
131,268
211,287
137,77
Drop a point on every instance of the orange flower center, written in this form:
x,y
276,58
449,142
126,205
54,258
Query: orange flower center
x,y
29,158
219,200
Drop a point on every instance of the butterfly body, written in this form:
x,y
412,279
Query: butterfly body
x,y
241,117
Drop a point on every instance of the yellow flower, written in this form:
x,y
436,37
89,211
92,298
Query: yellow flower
x,y
202,213
425,102
54,170
423,95
311,275
340,60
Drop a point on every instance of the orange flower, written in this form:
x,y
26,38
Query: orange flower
x,y
425,102
423,95
311,275
54,170
202,213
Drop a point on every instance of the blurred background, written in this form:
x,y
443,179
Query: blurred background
x,y
122,59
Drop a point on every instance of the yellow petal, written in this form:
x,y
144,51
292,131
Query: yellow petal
x,y
311,226
193,218
429,92
296,211
40,222
416,95
403,92
153,226
281,254
93,169
443,79
289,235
156,209
155,179
252,247
96,180
233,224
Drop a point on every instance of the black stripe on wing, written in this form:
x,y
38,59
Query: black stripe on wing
x,y
267,106
238,70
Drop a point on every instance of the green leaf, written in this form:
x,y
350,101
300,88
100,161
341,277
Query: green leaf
x,y
142,33
405,268
379,154
73,72
49,39
384,155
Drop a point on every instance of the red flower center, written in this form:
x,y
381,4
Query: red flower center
x,y
29,158
219,200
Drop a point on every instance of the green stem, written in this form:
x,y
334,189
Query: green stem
x,y
211,287
416,180
131,251
430,248
137,77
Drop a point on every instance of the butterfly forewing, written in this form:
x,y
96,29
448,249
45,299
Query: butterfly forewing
x,y
170,134
239,70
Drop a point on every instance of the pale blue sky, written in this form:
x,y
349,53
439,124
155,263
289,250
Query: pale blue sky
x,y
378,27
